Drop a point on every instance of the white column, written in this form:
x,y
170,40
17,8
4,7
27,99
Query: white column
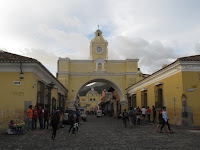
x,y
103,67
96,66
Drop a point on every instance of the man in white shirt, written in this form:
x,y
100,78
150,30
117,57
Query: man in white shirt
x,y
143,112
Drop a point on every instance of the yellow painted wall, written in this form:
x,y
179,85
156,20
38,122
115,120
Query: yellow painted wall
x,y
73,82
82,67
172,87
191,80
75,73
12,97
84,100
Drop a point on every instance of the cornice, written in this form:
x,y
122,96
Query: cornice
x,y
162,74
96,73
89,61
179,66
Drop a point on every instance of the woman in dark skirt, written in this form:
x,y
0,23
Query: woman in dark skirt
x,y
55,122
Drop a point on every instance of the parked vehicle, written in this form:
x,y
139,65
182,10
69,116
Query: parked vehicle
x,y
71,109
99,113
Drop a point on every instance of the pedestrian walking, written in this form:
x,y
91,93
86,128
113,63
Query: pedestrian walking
x,y
143,113
165,117
148,113
72,117
132,116
161,120
55,123
34,119
29,118
46,117
138,115
125,117
78,114
154,113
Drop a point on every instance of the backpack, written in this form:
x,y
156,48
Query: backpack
x,y
131,113
125,114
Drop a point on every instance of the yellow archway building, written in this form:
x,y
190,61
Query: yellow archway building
x,y
119,74
91,100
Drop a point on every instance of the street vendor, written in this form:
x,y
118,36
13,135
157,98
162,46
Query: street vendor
x,y
11,129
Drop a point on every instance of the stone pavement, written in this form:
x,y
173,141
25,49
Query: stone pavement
x,y
102,134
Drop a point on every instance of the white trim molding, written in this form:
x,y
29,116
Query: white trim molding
x,y
44,75
174,68
158,83
144,89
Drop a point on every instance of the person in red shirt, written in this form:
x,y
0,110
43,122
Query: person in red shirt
x,y
35,115
29,118
40,116
148,113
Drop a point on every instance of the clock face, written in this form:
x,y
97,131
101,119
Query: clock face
x,y
99,50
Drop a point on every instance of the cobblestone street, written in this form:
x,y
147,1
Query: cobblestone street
x,y
104,133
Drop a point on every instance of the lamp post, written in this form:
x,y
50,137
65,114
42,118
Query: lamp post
x,y
50,87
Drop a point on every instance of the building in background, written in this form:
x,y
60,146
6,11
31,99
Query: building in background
x,y
119,74
110,103
90,101
176,86
25,81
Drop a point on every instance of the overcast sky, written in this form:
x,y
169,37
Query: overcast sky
x,y
154,31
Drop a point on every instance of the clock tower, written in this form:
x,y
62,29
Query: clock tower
x,y
98,47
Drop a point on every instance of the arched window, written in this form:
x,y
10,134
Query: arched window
x,y
93,99
90,99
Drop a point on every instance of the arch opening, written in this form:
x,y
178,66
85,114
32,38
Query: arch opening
x,y
110,83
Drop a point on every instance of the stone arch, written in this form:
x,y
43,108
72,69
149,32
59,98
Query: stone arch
x,y
112,84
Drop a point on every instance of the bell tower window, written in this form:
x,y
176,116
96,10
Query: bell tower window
x,y
98,34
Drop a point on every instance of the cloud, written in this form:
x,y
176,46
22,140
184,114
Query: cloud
x,y
47,58
154,31
77,45
152,54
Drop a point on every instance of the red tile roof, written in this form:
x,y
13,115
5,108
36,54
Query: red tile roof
x,y
6,57
190,58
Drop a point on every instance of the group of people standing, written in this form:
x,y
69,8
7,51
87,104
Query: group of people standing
x,y
135,115
43,115
37,113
